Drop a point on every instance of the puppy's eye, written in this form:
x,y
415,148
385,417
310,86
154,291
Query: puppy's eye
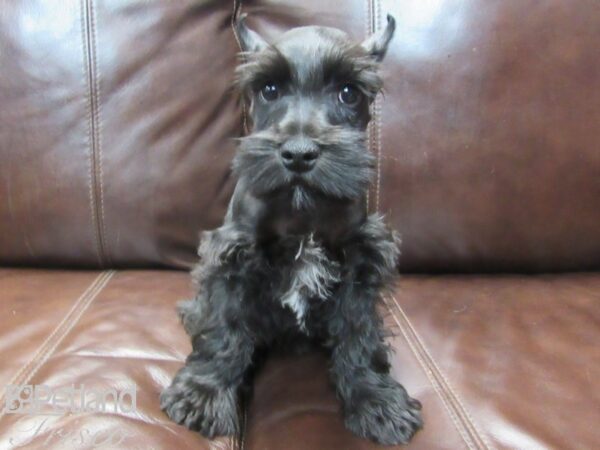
x,y
350,95
269,92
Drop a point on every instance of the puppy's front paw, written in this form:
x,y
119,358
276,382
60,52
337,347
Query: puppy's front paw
x,y
211,412
385,415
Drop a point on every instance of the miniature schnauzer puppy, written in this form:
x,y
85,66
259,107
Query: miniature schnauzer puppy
x,y
298,258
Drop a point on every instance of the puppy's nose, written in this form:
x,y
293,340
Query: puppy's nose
x,y
299,154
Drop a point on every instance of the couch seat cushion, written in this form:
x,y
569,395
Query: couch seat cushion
x,y
497,361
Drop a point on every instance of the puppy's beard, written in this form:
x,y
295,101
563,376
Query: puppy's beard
x,y
343,171
301,198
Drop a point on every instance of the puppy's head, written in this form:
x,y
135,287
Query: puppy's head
x,y
308,94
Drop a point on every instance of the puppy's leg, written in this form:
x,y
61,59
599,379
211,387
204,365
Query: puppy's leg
x,y
204,394
375,405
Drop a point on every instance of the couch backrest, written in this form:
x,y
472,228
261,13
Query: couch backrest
x,y
116,127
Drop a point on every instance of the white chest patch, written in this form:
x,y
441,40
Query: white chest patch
x,y
313,275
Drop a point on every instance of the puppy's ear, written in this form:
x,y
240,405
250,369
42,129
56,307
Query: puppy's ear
x,y
250,40
377,44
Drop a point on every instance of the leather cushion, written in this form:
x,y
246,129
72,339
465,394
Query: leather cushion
x,y
116,127
498,362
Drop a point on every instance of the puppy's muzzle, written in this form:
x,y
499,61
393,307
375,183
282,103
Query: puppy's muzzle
x,y
299,154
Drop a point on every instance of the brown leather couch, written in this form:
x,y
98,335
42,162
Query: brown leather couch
x,y
116,127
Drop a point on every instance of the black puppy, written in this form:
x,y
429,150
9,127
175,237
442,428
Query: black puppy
x,y
297,258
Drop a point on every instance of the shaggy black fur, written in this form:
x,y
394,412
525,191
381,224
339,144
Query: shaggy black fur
x,y
297,258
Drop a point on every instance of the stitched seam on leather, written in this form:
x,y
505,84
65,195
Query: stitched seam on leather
x,y
91,159
378,149
53,340
367,32
458,405
434,382
237,10
93,102
243,433
377,117
374,129
238,441
469,419
98,129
